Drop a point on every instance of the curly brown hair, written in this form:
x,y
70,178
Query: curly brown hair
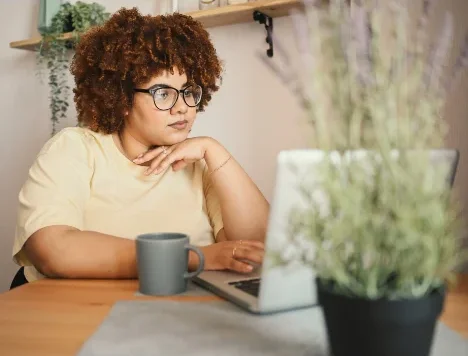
x,y
130,49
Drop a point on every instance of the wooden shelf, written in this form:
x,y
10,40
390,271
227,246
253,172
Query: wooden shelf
x,y
241,13
32,44
225,15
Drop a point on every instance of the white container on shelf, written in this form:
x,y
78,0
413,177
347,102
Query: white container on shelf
x,y
165,7
188,5
208,4
233,2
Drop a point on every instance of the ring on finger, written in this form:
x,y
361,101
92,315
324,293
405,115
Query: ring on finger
x,y
164,150
234,252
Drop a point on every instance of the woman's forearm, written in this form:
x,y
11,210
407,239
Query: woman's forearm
x,y
64,252
243,206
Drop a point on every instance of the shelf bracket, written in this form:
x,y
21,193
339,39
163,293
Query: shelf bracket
x,y
268,22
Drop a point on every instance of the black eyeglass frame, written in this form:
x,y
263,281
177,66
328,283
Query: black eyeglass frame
x,y
152,91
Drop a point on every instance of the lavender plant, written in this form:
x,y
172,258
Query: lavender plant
x,y
384,226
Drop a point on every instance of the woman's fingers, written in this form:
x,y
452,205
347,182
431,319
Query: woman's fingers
x,y
154,166
167,161
240,256
249,254
238,266
178,165
251,243
149,155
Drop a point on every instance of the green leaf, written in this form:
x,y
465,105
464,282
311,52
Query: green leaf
x,y
53,52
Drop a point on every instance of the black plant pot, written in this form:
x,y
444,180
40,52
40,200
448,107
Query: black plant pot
x,y
68,27
68,24
362,327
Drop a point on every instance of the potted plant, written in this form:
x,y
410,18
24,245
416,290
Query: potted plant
x,y
53,50
381,233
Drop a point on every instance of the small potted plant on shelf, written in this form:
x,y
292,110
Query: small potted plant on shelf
x,y
53,50
382,234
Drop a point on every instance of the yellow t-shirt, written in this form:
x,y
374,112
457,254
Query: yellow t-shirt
x,y
81,179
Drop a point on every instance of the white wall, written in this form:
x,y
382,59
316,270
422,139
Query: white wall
x,y
252,115
24,121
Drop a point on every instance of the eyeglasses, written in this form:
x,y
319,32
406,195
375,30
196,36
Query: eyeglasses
x,y
165,97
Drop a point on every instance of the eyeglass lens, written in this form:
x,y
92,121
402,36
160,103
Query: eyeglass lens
x,y
165,98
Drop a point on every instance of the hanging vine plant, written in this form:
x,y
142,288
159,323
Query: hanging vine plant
x,y
53,50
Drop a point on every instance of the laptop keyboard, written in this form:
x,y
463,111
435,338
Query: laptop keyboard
x,y
250,286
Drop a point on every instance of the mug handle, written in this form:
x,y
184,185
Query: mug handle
x,y
201,264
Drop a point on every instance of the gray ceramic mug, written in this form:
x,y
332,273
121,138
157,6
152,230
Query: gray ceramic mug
x,y
162,263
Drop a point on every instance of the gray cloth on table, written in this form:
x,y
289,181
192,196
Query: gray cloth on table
x,y
143,328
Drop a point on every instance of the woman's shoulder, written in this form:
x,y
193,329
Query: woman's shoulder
x,y
71,145
72,140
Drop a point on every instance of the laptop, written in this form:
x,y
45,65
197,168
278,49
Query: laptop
x,y
269,288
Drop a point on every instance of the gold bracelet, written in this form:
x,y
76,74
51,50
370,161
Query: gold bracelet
x,y
221,165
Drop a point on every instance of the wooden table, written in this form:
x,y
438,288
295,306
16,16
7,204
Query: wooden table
x,y
55,317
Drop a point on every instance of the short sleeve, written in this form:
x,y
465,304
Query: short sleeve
x,y
56,189
212,203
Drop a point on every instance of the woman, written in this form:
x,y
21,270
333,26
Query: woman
x,y
130,167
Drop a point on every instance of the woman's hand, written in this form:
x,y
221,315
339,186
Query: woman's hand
x,y
233,255
178,156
